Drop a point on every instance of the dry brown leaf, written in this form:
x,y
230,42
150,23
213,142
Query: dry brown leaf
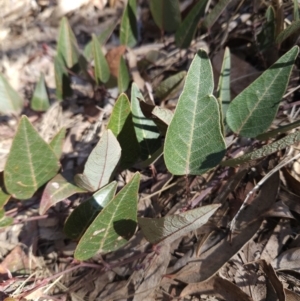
x,y
218,287
248,223
276,241
113,57
153,273
274,281
291,296
288,260
292,179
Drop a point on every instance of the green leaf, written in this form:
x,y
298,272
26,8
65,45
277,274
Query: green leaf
x,y
62,80
223,90
170,86
194,142
120,123
264,151
40,99
166,14
57,142
128,28
290,30
146,130
296,10
4,196
186,31
172,227
101,163
102,72
101,38
67,45
123,76
58,189
215,13
114,225
279,130
85,213
163,114
11,102
266,37
253,110
30,164
5,220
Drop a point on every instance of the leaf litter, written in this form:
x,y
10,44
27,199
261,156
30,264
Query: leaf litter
x,y
259,260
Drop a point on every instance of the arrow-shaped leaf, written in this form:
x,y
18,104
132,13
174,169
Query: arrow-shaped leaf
x,y
58,189
102,72
57,142
253,110
114,225
128,27
101,163
11,102
120,123
146,130
171,227
40,99
123,76
194,141
85,213
30,163
166,14
62,80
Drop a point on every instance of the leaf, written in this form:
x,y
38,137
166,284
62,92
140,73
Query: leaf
x,y
290,30
123,76
194,142
266,37
171,227
114,225
215,13
85,213
296,10
62,80
4,196
57,142
67,45
223,90
102,72
40,99
128,28
120,123
5,220
30,163
58,189
11,102
163,114
186,31
253,110
266,150
166,14
146,130
101,163
170,86
279,130
101,38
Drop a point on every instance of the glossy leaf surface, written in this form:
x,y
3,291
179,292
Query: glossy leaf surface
x,y
85,213
121,124
194,141
30,163
253,110
114,225
171,227
101,163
